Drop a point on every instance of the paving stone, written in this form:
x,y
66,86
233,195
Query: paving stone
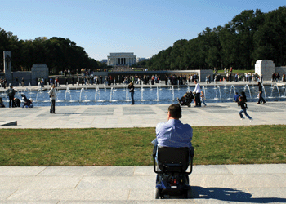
x,y
269,194
68,171
210,170
113,171
5,193
69,194
21,170
52,182
257,169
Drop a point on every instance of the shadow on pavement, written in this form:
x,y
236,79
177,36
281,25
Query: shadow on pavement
x,y
231,195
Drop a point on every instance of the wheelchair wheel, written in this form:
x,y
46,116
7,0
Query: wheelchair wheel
x,y
158,193
188,193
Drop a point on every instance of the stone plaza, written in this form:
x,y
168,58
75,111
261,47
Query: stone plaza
x,y
265,183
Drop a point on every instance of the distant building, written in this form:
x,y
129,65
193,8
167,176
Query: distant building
x,y
121,59
139,59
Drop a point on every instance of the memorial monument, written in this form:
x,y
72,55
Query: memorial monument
x,y
7,65
30,77
121,59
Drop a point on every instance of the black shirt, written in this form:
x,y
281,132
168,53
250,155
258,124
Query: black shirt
x,y
242,104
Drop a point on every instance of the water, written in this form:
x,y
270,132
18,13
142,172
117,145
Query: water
x,y
146,95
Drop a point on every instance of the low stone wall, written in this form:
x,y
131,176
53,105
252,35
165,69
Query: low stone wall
x,y
30,77
280,70
26,75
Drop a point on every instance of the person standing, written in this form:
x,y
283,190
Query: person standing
x,y
11,94
23,81
236,77
197,92
17,81
53,97
131,90
203,98
5,83
260,94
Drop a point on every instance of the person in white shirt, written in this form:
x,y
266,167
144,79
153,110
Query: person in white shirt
x,y
197,92
53,97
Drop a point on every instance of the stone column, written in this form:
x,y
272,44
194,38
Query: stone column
x,y
7,66
266,68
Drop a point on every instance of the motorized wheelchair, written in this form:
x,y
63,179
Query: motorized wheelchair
x,y
172,177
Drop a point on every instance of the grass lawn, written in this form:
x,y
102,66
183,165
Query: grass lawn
x,y
132,147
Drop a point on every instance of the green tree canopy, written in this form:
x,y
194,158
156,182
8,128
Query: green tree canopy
x,y
249,36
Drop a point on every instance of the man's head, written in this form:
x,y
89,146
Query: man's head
x,y
195,81
174,111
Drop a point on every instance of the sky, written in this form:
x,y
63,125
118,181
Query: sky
x,y
144,27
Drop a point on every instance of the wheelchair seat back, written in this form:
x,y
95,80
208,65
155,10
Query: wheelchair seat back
x,y
175,160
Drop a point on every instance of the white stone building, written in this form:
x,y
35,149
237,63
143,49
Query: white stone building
x,y
121,59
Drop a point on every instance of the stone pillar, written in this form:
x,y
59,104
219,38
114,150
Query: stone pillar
x,y
266,68
7,66
39,71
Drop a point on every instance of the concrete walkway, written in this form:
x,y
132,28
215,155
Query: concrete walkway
x,y
114,116
101,184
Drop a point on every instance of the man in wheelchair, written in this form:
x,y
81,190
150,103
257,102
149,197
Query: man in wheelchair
x,y
173,152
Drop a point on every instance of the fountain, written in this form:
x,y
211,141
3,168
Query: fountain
x,y
246,87
111,95
142,90
230,92
283,96
264,91
103,95
67,92
127,95
178,83
173,94
272,90
217,90
158,99
204,90
80,95
97,93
